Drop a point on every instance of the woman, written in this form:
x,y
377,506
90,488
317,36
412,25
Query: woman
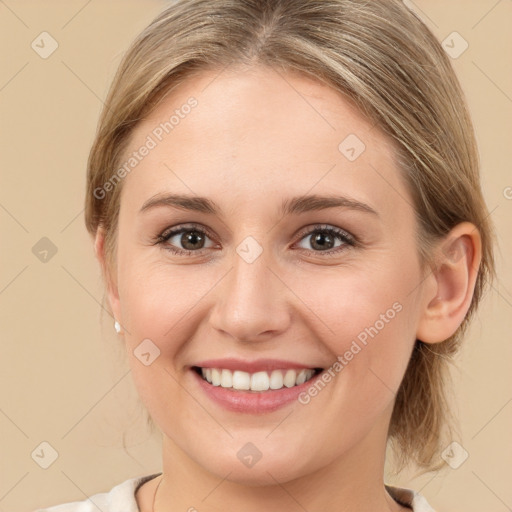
x,y
285,202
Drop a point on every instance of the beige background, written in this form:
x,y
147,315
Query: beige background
x,y
64,377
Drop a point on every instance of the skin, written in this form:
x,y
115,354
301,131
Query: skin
x,y
255,138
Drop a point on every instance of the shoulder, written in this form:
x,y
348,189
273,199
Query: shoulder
x,y
120,497
409,498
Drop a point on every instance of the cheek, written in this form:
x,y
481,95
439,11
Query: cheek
x,y
156,298
366,319
356,303
157,303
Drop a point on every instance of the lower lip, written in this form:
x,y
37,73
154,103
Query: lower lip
x,y
252,402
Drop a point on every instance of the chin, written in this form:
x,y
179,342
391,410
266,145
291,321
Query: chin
x,y
268,470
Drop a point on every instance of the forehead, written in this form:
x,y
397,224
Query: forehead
x,y
261,133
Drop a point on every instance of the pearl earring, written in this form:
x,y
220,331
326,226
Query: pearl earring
x,y
117,327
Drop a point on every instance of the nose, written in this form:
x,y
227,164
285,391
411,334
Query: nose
x,y
251,302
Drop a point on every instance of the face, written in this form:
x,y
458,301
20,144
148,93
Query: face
x,y
254,282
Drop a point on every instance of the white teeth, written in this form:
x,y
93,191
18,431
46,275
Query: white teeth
x,y
226,379
241,380
301,377
290,378
259,381
215,376
276,379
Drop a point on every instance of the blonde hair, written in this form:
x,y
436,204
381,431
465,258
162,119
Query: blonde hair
x,y
381,56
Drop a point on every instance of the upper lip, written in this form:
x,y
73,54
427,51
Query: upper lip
x,y
252,366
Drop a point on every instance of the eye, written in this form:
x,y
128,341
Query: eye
x,y
323,238
191,238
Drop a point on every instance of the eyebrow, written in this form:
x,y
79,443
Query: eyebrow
x,y
294,205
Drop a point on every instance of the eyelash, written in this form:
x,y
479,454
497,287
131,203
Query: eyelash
x,y
348,239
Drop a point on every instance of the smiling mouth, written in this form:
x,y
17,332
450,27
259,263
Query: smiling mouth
x,y
259,381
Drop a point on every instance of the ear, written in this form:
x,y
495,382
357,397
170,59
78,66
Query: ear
x,y
109,279
452,284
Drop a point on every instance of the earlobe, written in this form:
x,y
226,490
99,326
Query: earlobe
x,y
454,278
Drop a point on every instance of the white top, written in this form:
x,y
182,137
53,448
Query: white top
x,y
121,498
